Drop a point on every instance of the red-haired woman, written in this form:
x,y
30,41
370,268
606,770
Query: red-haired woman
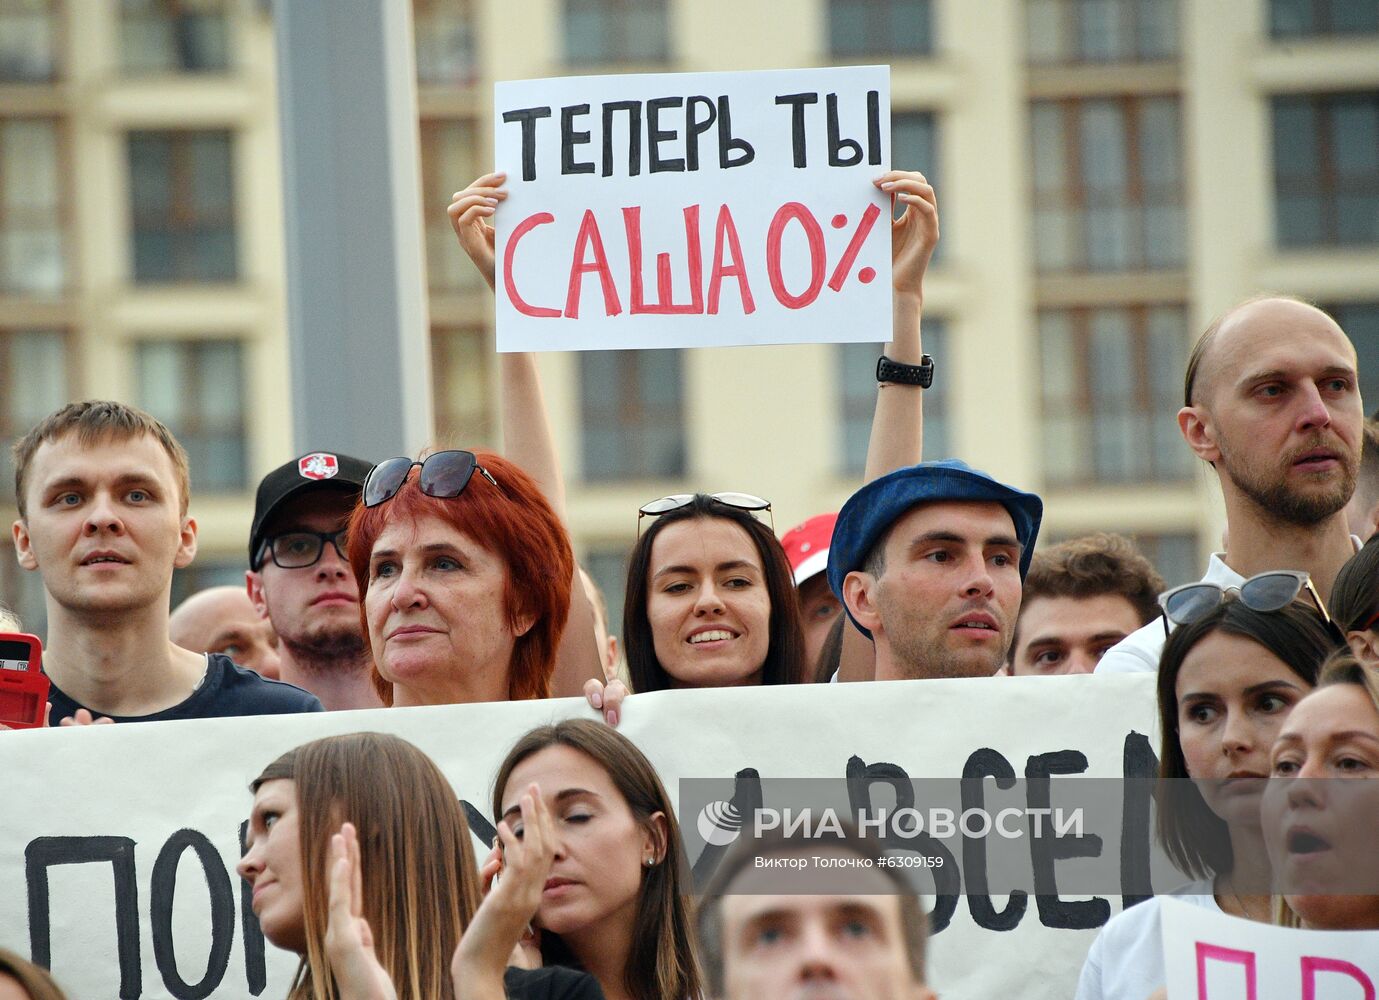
x,y
466,572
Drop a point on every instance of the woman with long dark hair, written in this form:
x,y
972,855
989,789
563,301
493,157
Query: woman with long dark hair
x,y
615,902
1228,677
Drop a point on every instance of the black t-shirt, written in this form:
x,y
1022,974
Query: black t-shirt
x,y
226,690
554,982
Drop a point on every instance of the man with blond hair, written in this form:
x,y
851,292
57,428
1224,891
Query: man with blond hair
x,y
103,491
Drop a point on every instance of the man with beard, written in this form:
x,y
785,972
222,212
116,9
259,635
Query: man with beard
x,y
301,581
928,562
1271,401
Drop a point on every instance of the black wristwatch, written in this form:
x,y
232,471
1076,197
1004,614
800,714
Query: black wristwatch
x,y
921,374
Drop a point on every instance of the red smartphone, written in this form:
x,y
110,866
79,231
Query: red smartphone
x,y
23,686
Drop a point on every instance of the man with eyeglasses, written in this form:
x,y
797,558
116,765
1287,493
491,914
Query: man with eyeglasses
x,y
300,579
1272,403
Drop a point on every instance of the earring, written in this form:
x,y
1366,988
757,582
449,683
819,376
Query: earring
x,y
649,862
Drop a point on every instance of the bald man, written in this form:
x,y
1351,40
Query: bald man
x,y
1271,402
223,620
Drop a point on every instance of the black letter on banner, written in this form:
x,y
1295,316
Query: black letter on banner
x,y
634,136
255,971
874,128
836,144
1044,851
986,763
45,852
1140,767
695,127
479,824
655,135
797,138
726,142
947,880
161,893
528,117
747,801
569,139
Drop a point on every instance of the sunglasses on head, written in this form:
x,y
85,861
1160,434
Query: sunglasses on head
x,y
677,501
1271,591
444,475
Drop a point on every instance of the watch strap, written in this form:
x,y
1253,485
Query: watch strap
x,y
921,374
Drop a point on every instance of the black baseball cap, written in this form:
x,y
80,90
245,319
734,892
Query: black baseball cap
x,y
317,470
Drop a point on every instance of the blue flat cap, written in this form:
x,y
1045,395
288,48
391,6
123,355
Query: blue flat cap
x,y
870,512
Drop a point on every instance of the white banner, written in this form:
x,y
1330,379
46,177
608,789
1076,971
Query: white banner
x,y
118,844
1212,956
694,209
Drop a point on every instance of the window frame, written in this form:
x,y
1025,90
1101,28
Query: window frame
x,y
181,223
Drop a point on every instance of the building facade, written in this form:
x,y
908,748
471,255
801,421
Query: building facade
x,y
1111,174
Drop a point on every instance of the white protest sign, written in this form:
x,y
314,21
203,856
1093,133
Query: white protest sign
x,y
118,844
1212,956
693,209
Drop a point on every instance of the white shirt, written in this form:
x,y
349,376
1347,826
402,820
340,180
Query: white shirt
x,y
1138,652
1126,961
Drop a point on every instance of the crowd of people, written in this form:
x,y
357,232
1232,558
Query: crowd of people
x,y
450,578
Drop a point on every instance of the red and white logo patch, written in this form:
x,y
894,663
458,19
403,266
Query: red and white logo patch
x,y
318,465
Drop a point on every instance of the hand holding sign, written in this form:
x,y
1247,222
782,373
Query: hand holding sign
x,y
468,214
915,234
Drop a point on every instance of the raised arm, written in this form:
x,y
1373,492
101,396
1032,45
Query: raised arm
x,y
527,438
897,427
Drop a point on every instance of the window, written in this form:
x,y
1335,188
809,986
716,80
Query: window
x,y
880,27
196,387
1112,387
449,161
462,386
1326,169
633,421
914,146
28,41
31,237
1099,31
174,36
206,572
1298,18
445,42
1108,184
35,366
914,143
1174,556
616,31
857,398
1360,321
608,567
181,189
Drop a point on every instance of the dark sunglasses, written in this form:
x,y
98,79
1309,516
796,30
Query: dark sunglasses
x,y
444,475
300,549
676,501
1269,591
